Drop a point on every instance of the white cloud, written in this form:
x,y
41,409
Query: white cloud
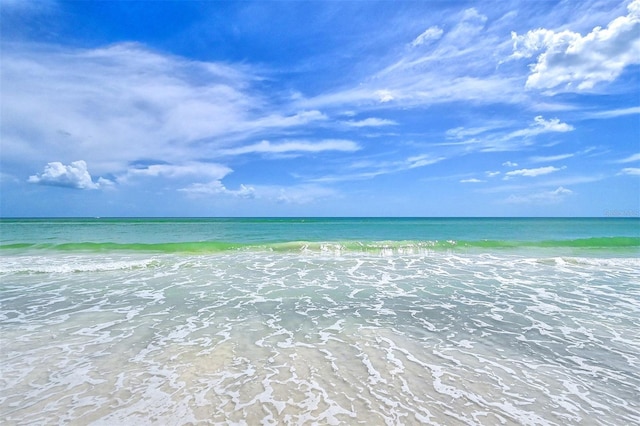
x,y
550,158
294,194
572,62
299,194
469,25
372,169
266,147
433,73
546,183
510,164
213,170
118,105
431,33
422,160
492,174
532,172
216,187
495,137
540,126
546,197
75,175
384,96
472,180
631,171
614,113
280,121
464,132
370,122
630,159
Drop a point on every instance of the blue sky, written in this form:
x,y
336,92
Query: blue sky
x,y
278,108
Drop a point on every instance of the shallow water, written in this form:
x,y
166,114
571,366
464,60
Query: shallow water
x,y
319,337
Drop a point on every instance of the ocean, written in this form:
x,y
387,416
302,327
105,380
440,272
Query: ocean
x,y
300,321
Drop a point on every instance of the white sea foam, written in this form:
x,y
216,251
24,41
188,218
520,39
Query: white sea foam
x,y
69,264
315,337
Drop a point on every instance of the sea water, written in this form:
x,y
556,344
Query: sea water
x,y
320,321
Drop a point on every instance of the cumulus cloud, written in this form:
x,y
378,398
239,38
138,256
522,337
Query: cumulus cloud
x,y
545,197
74,175
510,164
532,172
431,33
568,61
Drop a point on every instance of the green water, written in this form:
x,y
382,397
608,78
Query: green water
x,y
205,235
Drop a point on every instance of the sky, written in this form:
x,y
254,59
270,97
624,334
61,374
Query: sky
x,y
319,108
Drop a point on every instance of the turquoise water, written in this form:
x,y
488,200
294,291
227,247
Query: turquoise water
x,y
320,321
218,234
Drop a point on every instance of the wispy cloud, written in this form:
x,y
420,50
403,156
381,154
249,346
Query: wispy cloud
x,y
298,194
216,187
550,158
631,171
95,102
613,113
433,70
488,139
466,132
116,105
371,169
545,197
630,159
430,34
199,169
421,161
370,122
543,183
280,194
532,172
266,147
